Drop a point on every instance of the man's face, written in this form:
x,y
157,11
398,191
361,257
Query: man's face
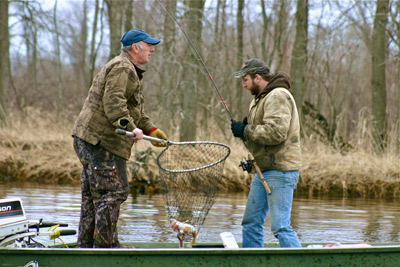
x,y
144,52
250,84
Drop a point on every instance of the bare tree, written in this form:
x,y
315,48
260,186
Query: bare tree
x,y
334,63
166,96
299,53
239,58
397,23
4,62
281,31
128,16
77,46
266,23
83,66
31,29
93,49
60,85
194,16
115,19
221,64
394,33
378,72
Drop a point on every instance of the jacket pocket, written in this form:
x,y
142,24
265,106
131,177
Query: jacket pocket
x,y
263,161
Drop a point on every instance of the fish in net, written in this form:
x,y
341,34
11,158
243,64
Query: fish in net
x,y
190,178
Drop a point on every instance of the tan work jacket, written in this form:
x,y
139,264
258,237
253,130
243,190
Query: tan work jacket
x,y
273,132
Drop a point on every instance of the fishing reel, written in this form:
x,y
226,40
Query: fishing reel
x,y
246,164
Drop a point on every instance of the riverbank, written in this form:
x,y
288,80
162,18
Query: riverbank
x,y
39,149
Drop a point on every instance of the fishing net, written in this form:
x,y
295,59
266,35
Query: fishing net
x,y
190,177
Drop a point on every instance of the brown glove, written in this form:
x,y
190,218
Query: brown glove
x,y
157,133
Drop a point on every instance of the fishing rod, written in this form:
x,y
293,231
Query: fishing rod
x,y
196,52
245,164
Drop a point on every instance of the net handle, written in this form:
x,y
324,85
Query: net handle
x,y
145,137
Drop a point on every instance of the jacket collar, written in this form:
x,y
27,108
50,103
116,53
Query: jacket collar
x,y
280,79
138,70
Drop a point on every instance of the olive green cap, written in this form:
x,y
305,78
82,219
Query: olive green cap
x,y
252,66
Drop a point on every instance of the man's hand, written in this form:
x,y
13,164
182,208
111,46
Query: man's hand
x,y
157,133
238,128
138,134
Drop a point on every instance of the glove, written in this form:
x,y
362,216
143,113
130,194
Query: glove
x,y
245,120
157,133
237,128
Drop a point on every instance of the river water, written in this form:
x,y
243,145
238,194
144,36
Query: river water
x,y
143,218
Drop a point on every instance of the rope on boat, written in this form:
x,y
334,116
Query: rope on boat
x,y
56,234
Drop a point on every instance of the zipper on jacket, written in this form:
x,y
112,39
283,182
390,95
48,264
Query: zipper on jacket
x,y
272,159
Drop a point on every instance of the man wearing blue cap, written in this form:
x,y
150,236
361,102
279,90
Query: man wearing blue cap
x,y
115,100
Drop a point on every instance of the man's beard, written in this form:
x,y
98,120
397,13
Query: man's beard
x,y
254,89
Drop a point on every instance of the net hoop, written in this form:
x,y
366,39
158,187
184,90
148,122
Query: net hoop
x,y
193,143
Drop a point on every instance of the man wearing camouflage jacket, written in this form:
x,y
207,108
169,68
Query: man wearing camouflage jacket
x,y
115,100
272,133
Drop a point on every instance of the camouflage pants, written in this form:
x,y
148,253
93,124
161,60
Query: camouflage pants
x,y
104,187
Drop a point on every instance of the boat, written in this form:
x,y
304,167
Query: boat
x,y
18,248
205,254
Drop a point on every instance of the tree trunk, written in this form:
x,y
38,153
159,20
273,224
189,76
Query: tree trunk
x,y
59,63
239,59
4,62
78,54
378,72
398,77
128,16
280,30
266,21
299,54
30,36
216,24
83,47
115,19
166,96
194,16
93,45
35,64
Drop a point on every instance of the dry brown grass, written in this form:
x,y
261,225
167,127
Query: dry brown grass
x,y
354,173
39,148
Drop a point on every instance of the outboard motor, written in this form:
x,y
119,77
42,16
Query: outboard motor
x,y
12,218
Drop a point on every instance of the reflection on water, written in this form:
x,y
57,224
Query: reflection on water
x,y
144,218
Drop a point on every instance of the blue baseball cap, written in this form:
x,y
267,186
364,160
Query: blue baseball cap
x,y
134,36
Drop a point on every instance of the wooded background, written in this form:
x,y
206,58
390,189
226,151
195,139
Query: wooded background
x,y
342,56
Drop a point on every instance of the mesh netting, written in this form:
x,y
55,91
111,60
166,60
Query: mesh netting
x,y
190,176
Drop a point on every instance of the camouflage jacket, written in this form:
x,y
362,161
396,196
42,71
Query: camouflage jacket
x,y
115,100
273,129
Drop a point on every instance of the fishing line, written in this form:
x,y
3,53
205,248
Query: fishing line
x,y
199,58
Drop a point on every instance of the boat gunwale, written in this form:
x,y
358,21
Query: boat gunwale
x,y
193,251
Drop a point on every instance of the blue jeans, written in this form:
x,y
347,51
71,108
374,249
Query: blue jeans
x,y
279,203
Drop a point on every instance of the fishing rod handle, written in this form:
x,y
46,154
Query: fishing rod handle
x,y
258,170
37,223
145,137
58,232
266,186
